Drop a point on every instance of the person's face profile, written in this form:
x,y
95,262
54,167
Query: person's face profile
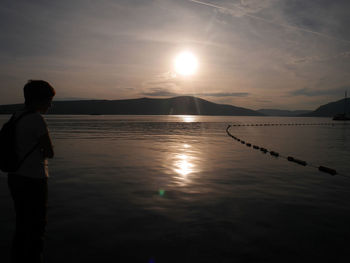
x,y
45,105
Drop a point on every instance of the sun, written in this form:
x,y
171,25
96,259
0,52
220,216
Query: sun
x,y
186,63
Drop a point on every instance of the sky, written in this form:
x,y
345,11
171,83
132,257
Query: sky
x,y
284,54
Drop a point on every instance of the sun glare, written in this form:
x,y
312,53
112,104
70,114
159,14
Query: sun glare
x,y
186,63
184,165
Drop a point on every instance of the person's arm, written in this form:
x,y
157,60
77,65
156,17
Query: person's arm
x,y
46,145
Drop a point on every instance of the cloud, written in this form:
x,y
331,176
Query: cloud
x,y
312,59
166,80
314,92
225,94
161,92
240,8
249,8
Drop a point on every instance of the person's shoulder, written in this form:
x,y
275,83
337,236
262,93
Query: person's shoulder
x,y
37,123
38,117
34,118
18,113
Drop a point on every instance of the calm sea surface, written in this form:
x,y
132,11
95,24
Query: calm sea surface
x,y
178,189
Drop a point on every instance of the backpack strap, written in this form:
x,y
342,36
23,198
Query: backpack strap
x,y
15,120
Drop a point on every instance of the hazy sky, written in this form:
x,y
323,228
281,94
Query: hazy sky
x,y
288,54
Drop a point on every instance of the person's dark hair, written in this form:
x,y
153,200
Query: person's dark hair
x,y
37,90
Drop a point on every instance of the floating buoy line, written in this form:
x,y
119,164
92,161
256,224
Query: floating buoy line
x,y
275,154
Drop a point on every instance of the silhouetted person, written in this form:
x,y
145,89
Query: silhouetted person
x,y
28,185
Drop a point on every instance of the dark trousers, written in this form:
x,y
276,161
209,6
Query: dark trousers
x,y
30,199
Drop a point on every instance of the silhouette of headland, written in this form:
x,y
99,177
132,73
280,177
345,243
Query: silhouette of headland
x,y
330,109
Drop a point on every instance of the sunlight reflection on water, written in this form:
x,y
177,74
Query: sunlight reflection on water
x,y
184,167
183,164
188,118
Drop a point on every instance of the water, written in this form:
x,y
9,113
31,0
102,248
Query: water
x,y
178,189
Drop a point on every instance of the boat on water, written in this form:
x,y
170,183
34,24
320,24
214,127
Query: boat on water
x,y
342,116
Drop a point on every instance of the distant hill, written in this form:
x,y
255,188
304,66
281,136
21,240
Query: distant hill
x,y
185,105
283,113
330,109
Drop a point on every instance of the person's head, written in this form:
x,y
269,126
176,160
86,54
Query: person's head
x,y
38,95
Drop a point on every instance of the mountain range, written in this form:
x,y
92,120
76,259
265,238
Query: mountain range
x,y
183,105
